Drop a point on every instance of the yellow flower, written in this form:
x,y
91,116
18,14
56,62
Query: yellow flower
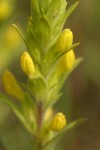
x,y
11,38
66,63
69,59
58,122
65,40
11,86
5,9
27,65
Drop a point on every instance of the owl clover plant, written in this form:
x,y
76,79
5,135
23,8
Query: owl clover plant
x,y
47,62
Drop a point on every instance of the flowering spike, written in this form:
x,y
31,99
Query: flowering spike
x,y
58,122
27,65
65,40
49,65
11,86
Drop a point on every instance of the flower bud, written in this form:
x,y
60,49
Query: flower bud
x,y
27,65
65,40
69,59
11,86
58,122
66,63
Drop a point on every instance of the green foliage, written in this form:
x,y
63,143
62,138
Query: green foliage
x,y
43,33
35,11
17,110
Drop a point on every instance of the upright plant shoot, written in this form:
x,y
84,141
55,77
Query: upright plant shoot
x,y
48,60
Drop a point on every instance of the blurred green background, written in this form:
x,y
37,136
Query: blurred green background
x,y
81,96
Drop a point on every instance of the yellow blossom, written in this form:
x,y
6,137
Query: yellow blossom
x,y
66,63
11,86
12,38
69,59
58,122
65,40
27,65
5,9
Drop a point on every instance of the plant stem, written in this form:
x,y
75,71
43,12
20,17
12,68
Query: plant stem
x,y
39,124
39,115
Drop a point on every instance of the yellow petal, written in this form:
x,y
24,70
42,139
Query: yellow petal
x,y
11,86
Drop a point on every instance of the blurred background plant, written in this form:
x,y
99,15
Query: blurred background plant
x,y
81,98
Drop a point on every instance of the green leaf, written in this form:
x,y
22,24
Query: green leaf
x,y
43,33
55,10
37,56
61,14
59,25
52,99
35,11
44,4
38,88
66,51
53,79
31,40
70,10
75,45
22,36
66,74
53,41
29,111
57,58
29,104
53,95
17,110
68,128
44,67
